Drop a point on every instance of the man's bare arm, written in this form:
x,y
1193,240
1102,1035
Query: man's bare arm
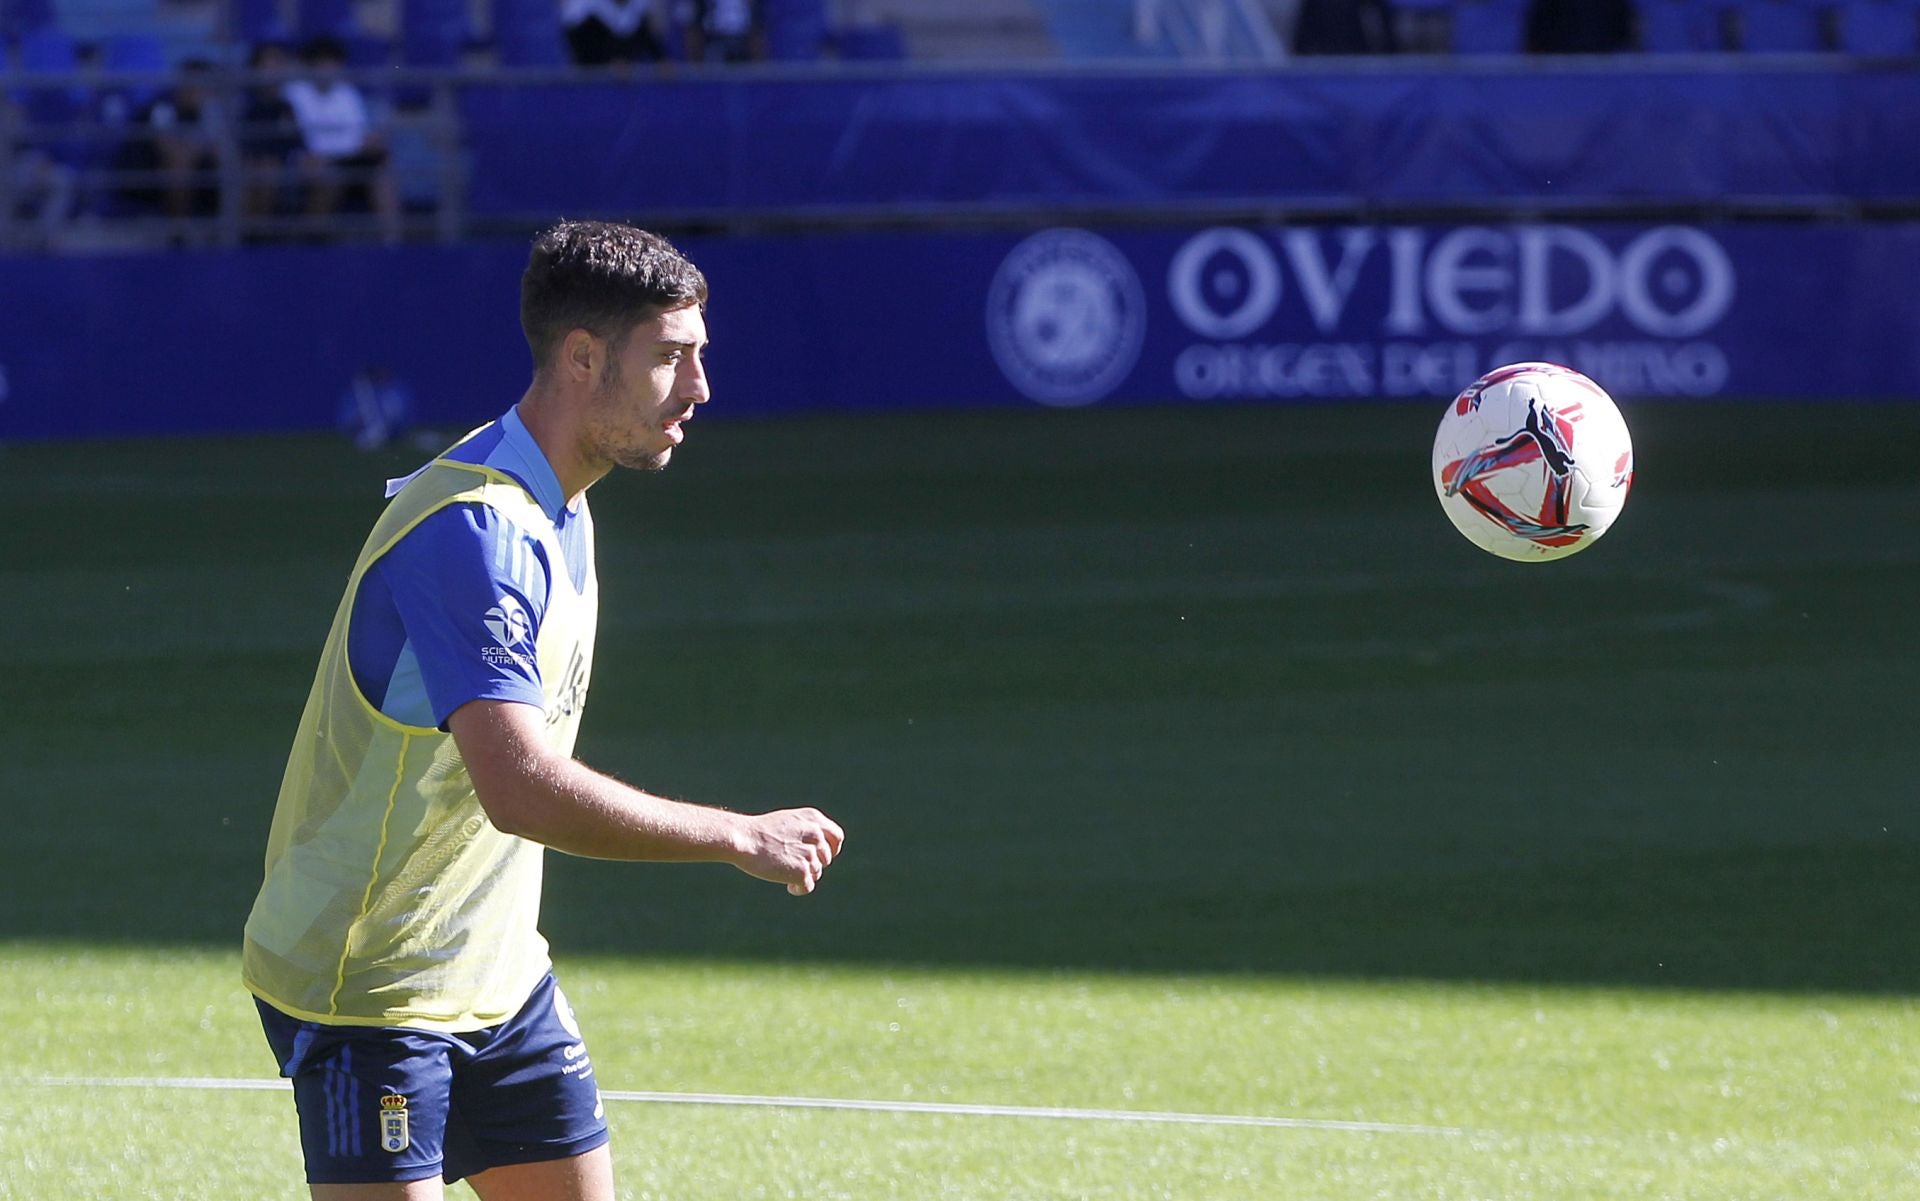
x,y
530,790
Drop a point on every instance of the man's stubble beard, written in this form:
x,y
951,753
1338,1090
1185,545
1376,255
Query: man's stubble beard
x,y
606,410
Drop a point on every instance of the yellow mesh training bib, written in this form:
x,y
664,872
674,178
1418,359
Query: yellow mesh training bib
x,y
390,899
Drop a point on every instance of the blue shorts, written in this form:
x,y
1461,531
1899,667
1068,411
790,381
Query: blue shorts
x,y
381,1104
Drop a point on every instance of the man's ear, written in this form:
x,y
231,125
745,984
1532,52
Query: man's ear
x,y
579,351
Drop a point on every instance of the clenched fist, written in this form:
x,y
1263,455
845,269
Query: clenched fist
x,y
789,846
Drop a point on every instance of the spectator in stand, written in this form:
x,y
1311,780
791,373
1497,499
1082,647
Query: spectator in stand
x,y
40,186
1344,27
1579,26
729,31
600,32
174,144
342,160
269,137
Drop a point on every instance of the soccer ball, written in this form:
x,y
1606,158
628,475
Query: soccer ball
x,y
1532,462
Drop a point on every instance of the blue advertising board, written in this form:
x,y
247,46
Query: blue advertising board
x,y
269,339
1330,312
1324,138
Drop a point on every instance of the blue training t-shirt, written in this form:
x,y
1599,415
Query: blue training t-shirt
x,y
449,614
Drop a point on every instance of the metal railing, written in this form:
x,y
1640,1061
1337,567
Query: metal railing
x,y
83,168
67,183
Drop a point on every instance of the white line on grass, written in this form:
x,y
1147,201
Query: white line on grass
x,y
926,1107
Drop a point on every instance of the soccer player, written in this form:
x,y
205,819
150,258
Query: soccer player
x,y
393,949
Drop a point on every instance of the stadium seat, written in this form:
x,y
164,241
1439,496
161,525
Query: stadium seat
x,y
257,21
526,33
136,52
315,17
55,113
430,48
1879,27
1489,27
1780,27
21,17
1421,26
673,40
433,32
870,43
51,50
796,29
366,50
1678,27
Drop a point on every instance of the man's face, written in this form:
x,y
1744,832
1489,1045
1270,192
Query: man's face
x,y
652,380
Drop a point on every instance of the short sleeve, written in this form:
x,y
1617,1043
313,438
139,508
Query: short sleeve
x,y
470,589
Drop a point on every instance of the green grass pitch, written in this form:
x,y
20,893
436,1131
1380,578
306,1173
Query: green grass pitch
x,y
1191,765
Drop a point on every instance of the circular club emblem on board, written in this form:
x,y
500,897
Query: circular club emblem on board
x,y
1065,316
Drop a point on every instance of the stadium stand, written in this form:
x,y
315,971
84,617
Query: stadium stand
x,y
1209,31
256,21
1348,27
1878,27
135,52
1678,27
1089,30
930,31
434,33
21,17
796,29
526,33
1779,26
870,43
1488,26
93,65
52,51
1423,26
332,17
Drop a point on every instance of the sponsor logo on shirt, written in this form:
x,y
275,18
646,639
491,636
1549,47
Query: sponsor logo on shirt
x,y
512,632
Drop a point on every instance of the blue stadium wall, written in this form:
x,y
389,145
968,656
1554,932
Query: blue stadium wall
x,y
1152,300
267,339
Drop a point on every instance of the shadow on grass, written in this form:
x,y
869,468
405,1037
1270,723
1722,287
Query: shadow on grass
x,y
1836,918
143,757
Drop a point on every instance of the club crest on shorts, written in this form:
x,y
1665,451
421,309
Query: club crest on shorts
x,y
393,1123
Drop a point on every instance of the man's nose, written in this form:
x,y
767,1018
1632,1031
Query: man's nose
x,y
696,387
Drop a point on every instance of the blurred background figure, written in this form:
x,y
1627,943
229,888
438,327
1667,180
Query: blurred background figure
x,y
602,32
1343,27
342,159
173,149
376,408
41,187
190,132
268,136
1579,26
729,31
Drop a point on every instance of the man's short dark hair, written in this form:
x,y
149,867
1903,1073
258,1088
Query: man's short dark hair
x,y
601,277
